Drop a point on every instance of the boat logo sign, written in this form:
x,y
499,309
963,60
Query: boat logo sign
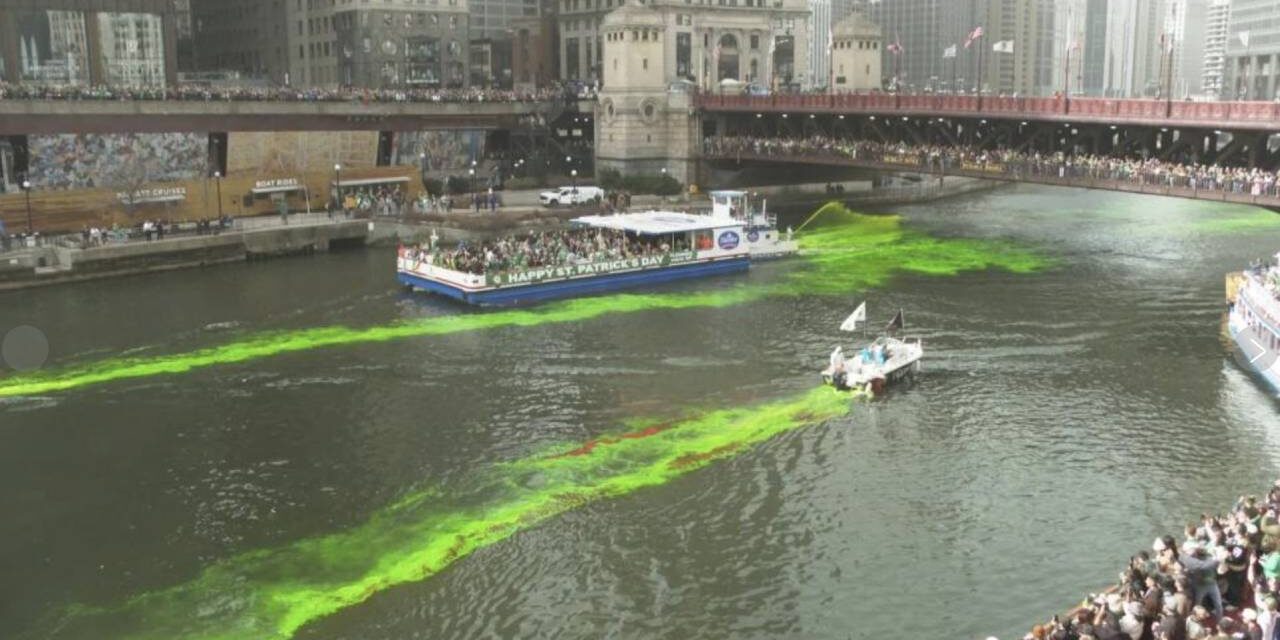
x,y
728,240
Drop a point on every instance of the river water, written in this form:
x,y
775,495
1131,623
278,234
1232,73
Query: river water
x,y
1067,415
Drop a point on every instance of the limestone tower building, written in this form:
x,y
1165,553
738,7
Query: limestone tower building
x,y
656,54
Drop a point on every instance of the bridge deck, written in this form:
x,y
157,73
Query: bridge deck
x,y
1254,116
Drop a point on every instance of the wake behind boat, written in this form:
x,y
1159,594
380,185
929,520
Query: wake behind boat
x,y
884,361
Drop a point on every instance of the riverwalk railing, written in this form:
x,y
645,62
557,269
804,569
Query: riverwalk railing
x,y
1173,186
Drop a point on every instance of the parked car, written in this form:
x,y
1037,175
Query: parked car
x,y
571,196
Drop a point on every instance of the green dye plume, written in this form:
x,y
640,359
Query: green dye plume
x,y
271,593
844,252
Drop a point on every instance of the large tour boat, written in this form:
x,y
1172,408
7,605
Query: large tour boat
x,y
1253,319
629,250
764,240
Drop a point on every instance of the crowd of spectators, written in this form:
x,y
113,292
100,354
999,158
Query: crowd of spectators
x,y
1219,580
540,249
1067,167
197,93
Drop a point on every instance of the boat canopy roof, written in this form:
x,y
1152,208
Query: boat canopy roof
x,y
653,223
728,193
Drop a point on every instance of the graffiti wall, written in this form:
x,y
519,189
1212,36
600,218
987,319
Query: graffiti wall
x,y
293,152
86,161
446,151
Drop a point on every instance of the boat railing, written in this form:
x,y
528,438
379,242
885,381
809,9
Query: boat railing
x,y
1262,300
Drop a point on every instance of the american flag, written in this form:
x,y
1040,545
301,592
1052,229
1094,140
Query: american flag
x,y
973,35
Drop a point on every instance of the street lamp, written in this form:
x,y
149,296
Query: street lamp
x,y
337,184
574,173
26,186
217,178
471,184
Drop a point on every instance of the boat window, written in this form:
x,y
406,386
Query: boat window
x,y
702,240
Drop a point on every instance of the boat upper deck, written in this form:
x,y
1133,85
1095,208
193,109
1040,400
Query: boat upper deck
x,y
657,223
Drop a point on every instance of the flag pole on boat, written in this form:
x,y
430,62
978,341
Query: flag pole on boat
x,y
858,315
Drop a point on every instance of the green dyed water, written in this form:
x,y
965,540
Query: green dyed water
x,y
850,252
271,593
298,449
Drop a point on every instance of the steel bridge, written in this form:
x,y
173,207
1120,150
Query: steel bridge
x,y
1229,133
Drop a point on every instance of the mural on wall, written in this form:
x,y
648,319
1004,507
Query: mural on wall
x,y
294,152
446,151
83,161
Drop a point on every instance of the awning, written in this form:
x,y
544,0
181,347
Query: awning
x,y
654,223
368,181
278,189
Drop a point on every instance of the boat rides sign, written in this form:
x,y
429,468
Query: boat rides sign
x,y
563,272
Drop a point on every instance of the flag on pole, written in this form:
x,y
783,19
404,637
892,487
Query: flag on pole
x,y
1003,46
895,48
858,315
1244,38
896,324
973,35
949,52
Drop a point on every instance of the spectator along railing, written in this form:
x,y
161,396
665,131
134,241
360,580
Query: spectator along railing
x,y
1212,114
1233,184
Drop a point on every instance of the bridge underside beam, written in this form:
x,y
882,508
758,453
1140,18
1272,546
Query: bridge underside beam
x,y
1189,145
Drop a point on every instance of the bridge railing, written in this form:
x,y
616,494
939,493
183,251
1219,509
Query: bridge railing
x,y
1119,110
1051,173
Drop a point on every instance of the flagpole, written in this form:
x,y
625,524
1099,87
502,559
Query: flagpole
x,y
1066,81
982,45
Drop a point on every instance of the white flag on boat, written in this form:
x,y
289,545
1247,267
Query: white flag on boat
x,y
858,315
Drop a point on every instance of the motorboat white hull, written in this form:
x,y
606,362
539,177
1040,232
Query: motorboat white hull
x,y
859,373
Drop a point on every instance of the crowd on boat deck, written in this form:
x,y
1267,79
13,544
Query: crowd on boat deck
x,y
544,249
1219,579
1133,170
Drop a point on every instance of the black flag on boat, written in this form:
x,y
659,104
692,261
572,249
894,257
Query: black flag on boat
x,y
895,324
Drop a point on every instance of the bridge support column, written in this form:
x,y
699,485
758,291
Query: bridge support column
x,y
9,53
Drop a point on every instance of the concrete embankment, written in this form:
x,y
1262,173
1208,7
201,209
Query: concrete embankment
x,y
58,264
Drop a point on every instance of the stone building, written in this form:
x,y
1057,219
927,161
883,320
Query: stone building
x,y
856,48
654,53
402,46
759,41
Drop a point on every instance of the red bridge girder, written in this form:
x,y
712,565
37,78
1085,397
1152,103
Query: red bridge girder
x,y
1239,116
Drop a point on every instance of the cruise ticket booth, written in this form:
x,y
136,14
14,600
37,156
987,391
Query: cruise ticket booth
x,y
287,194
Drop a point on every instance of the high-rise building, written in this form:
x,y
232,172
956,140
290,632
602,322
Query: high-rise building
x,y
495,19
335,42
1186,29
89,42
925,28
921,31
247,36
1253,50
820,30
1217,19
1093,49
1134,55
1069,19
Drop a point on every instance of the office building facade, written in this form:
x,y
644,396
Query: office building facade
x,y
120,42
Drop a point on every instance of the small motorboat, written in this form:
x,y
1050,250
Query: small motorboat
x,y
885,360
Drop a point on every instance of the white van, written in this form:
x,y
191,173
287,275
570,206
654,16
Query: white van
x,y
571,196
